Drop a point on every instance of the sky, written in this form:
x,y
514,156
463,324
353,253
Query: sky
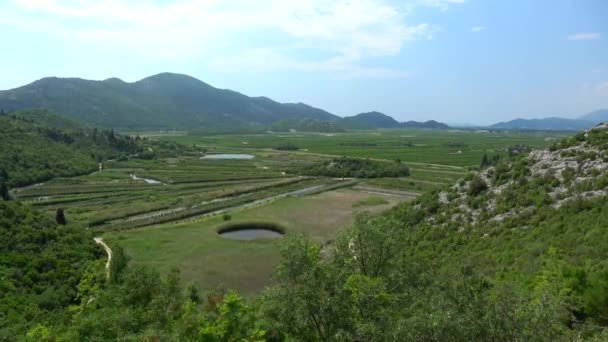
x,y
456,61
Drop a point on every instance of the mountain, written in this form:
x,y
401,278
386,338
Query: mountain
x,y
373,120
556,123
369,120
596,116
432,124
165,100
553,123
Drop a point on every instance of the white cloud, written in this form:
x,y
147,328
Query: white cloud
x,y
346,32
477,29
584,36
443,5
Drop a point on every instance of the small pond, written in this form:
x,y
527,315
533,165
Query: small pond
x,y
251,231
228,156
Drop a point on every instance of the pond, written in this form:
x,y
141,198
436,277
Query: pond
x,y
251,231
228,156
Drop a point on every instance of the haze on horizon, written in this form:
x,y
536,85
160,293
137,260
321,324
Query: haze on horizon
x,y
448,60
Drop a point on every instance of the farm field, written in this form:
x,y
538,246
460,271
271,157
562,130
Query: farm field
x,y
165,212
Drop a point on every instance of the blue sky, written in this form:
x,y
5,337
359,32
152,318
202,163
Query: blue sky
x,y
478,61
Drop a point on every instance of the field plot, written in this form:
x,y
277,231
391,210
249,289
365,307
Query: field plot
x,y
208,260
133,193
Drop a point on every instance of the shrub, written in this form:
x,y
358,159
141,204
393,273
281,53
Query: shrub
x,y
477,186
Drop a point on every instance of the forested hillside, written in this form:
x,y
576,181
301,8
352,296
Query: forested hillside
x,y
161,101
170,101
38,145
42,267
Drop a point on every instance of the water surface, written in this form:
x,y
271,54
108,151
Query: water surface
x,y
251,234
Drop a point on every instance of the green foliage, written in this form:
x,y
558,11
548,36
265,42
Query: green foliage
x,y
31,151
358,168
40,267
477,186
4,195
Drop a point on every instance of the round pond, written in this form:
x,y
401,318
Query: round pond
x,y
251,231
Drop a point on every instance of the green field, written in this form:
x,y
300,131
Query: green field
x,y
165,211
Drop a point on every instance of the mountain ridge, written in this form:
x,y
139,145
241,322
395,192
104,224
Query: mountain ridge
x,y
170,100
583,122
160,101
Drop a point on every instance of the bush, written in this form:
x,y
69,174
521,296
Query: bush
x,y
477,186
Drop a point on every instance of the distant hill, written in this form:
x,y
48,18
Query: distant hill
x,y
379,120
556,123
596,116
432,124
369,120
162,101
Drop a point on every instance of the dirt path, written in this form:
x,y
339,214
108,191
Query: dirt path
x,y
108,251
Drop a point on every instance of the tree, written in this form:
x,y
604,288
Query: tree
x,y
4,191
60,217
484,162
2,112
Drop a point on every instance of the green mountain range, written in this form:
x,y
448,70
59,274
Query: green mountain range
x,y
167,100
373,120
162,101
556,123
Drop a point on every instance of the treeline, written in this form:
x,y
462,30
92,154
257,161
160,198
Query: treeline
x,y
358,168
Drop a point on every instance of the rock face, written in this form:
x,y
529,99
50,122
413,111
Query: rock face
x,y
573,169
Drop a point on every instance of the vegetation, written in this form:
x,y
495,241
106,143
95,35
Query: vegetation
x,y
515,251
41,267
358,168
31,152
